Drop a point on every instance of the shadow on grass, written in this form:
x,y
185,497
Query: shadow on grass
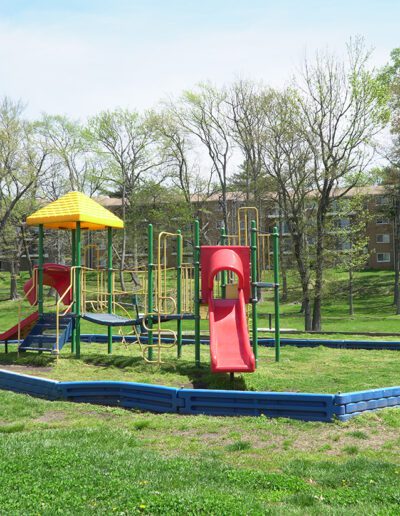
x,y
27,359
198,377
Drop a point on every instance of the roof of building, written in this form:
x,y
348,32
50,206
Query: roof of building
x,y
115,202
74,207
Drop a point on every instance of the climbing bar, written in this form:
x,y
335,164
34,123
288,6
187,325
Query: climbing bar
x,y
262,284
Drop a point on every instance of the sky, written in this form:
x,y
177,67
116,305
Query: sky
x,y
78,57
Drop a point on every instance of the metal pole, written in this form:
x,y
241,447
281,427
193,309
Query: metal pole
x,y
179,291
40,270
254,268
196,259
78,290
73,263
275,236
223,273
109,286
150,269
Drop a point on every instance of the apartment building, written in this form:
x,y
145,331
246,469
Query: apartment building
x,y
379,229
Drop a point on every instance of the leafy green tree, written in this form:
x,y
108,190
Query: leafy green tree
x,y
344,106
203,114
125,141
248,103
348,238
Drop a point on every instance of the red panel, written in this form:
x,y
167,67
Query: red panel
x,y
230,347
229,336
216,258
56,276
26,325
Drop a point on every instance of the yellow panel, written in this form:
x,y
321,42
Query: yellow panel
x,y
231,291
74,207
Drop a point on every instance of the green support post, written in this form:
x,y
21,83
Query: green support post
x,y
179,291
254,268
78,291
109,287
275,236
40,270
223,273
196,259
73,263
150,266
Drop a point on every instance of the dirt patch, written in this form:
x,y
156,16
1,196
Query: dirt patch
x,y
26,369
188,385
99,414
51,416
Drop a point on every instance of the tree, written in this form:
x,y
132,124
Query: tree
x,y
343,107
347,230
203,113
22,163
247,106
390,78
76,166
125,141
288,161
181,165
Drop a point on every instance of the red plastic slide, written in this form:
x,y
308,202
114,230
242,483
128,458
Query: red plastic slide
x,y
54,275
26,326
229,336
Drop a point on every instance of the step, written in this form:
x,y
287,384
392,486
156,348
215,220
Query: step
x,y
27,348
40,338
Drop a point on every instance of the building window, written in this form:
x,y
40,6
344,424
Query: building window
x,y
344,245
382,220
384,238
381,200
344,223
284,228
383,257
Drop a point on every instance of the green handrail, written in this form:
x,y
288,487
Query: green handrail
x,y
254,268
275,236
150,269
196,259
179,291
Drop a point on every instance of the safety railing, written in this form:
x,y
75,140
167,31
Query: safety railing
x,y
23,314
67,308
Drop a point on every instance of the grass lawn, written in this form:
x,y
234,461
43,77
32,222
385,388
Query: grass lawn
x,y
300,369
58,457
64,458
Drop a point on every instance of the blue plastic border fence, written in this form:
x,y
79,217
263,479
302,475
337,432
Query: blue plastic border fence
x,y
157,398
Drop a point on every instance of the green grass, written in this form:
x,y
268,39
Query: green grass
x,y
300,369
84,459
64,458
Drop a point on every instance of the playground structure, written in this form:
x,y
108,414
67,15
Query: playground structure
x,y
140,301
225,279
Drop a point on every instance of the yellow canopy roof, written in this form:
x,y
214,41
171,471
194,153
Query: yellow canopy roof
x,y
74,207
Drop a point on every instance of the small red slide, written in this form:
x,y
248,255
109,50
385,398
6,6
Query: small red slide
x,y
54,275
230,347
25,325
229,336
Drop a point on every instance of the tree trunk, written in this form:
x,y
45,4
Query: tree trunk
x,y
396,249
26,250
351,305
319,269
302,260
284,297
307,312
13,281
224,206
